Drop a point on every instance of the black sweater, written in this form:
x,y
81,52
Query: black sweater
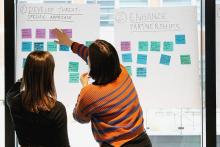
x,y
46,129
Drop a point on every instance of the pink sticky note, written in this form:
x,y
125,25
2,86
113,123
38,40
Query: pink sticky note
x,y
51,34
68,32
40,33
26,33
125,46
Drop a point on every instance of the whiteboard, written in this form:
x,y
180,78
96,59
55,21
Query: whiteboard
x,y
218,55
81,23
159,47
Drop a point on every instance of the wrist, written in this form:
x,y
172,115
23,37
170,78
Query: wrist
x,y
69,43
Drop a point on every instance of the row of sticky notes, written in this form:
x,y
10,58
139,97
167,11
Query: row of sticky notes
x,y
154,45
164,59
140,71
39,46
73,72
141,58
184,59
41,33
144,46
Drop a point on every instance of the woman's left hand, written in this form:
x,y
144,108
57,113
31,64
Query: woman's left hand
x,y
84,79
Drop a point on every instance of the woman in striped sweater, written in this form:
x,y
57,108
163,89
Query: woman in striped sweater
x,y
111,102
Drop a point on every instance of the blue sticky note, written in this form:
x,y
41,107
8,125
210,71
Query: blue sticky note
x,y
167,46
64,48
74,78
155,46
143,46
38,46
51,46
73,66
24,61
165,59
127,57
141,59
26,46
180,39
141,72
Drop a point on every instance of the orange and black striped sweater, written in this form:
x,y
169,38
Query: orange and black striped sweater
x,y
113,109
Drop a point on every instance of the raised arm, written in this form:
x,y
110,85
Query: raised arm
x,y
80,50
77,48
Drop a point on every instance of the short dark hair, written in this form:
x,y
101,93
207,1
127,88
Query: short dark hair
x,y
38,78
104,62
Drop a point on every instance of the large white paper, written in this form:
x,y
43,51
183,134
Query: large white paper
x,y
83,21
170,82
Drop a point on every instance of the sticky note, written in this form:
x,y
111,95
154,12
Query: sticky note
x,y
155,46
167,46
165,59
141,59
127,57
74,78
51,34
24,61
73,66
26,33
143,46
51,46
64,48
125,45
185,59
40,33
180,39
38,46
88,43
68,32
141,72
129,70
26,46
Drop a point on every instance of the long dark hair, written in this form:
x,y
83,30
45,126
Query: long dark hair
x,y
104,62
38,79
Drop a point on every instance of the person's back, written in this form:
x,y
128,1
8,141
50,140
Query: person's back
x,y
38,121
115,111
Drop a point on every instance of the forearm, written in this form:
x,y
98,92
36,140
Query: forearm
x,y
79,117
80,50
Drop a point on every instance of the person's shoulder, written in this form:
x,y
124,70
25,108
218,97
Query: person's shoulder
x,y
59,106
87,89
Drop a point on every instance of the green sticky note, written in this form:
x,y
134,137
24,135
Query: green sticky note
x,y
88,43
143,46
73,66
51,46
129,70
74,78
168,46
185,59
155,46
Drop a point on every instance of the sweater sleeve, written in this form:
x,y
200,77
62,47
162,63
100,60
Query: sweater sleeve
x,y
82,101
80,50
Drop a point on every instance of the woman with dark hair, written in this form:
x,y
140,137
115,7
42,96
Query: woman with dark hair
x,y
111,102
39,119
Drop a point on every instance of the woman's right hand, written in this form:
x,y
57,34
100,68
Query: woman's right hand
x,y
62,37
84,79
